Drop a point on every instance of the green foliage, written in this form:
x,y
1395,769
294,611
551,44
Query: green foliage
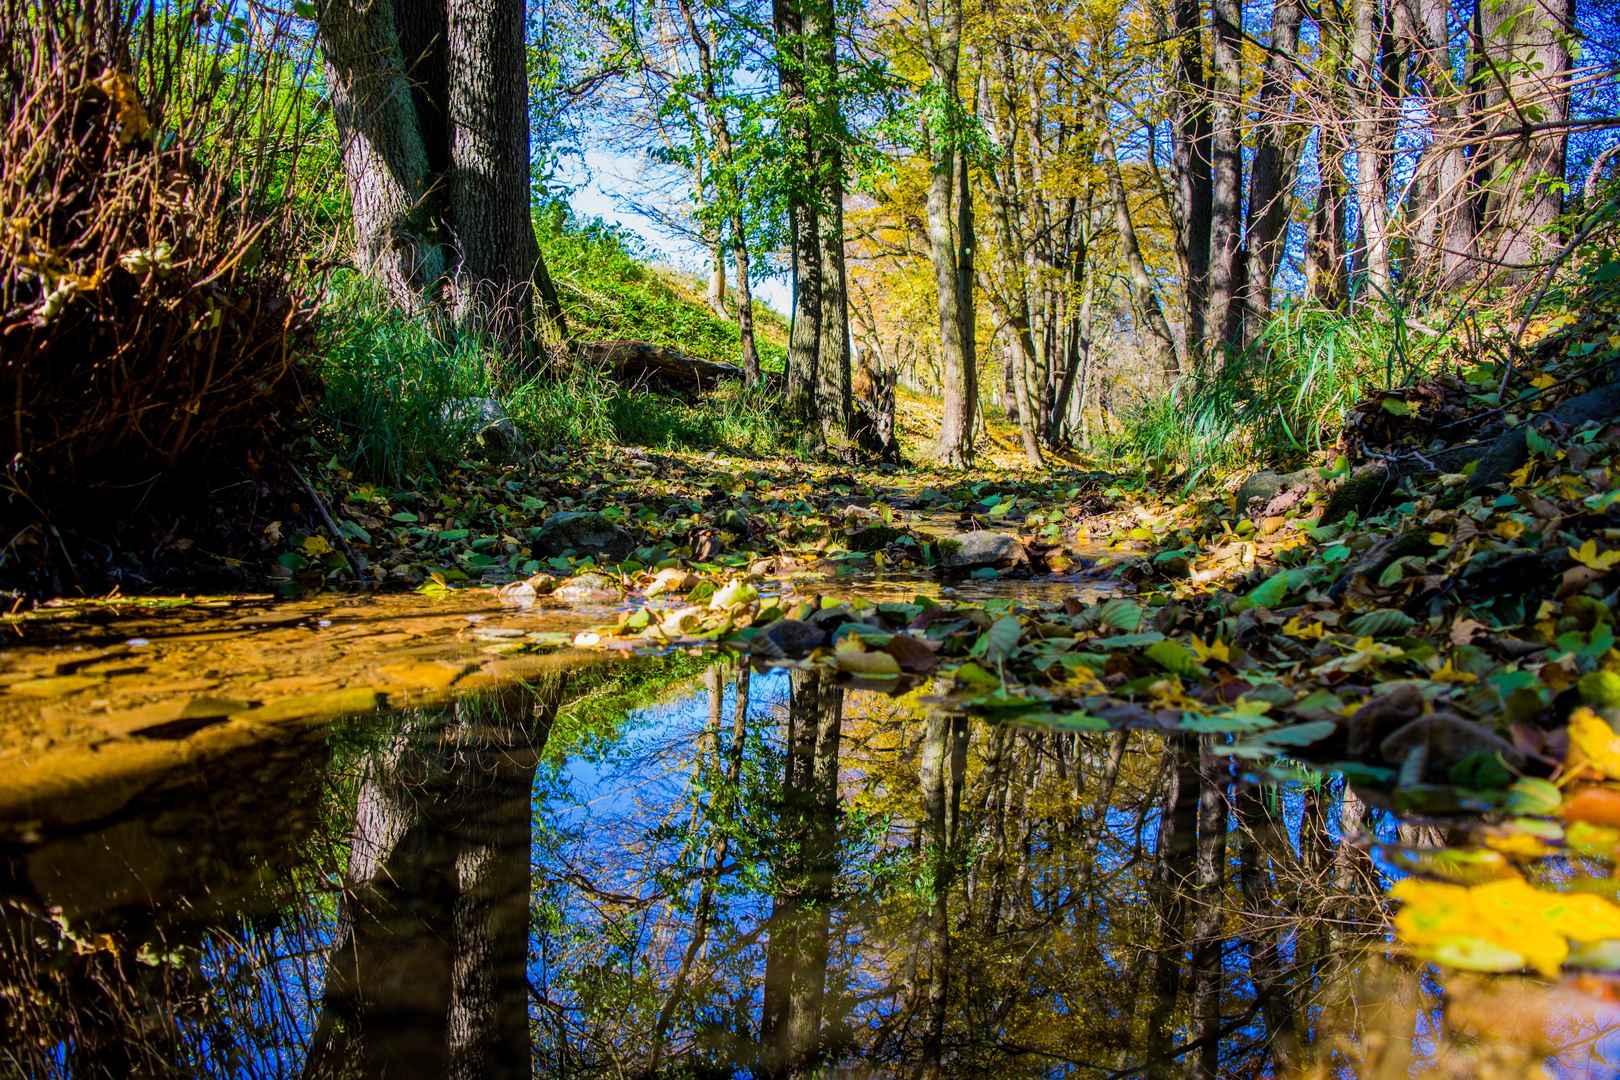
x,y
609,293
391,380
1281,398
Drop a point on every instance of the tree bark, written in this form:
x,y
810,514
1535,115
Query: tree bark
x,y
950,240
1524,52
1273,165
804,339
834,409
384,152
1194,177
1369,127
1226,176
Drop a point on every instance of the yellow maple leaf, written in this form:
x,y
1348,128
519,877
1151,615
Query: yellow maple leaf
x,y
1589,555
1509,529
1294,628
1216,650
1449,674
1543,380
1593,745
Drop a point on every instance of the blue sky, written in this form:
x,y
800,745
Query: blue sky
x,y
604,174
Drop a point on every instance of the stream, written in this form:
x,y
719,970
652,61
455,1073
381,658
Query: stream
x,y
411,837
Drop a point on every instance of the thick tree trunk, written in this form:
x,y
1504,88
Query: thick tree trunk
x,y
430,99
1369,126
950,245
385,154
834,409
1524,46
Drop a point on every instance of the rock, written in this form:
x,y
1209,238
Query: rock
x,y
588,589
1266,485
789,638
873,537
584,532
1365,491
494,433
971,550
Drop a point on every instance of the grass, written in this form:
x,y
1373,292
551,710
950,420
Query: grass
x,y
1282,398
609,292
391,383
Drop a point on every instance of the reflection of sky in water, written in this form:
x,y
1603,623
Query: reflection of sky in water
x,y
617,832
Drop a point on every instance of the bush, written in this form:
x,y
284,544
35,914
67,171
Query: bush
x,y
147,304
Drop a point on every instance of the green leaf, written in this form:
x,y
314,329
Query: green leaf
x,y
1270,592
1003,637
1384,622
1174,657
1120,614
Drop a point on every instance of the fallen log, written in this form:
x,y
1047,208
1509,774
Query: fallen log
x,y
662,367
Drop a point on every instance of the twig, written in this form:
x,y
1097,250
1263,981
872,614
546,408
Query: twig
x,y
331,526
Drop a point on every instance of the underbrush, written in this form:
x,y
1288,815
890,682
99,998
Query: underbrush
x,y
396,391
1280,399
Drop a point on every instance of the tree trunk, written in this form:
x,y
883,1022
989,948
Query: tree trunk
x,y
1226,180
745,304
950,240
717,281
1194,177
1273,165
1524,48
1369,125
430,99
490,231
384,151
834,410
804,339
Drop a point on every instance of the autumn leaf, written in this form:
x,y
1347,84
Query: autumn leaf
x,y
1588,555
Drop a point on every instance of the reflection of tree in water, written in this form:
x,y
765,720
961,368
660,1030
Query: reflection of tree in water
x,y
774,877
912,893
426,976
422,955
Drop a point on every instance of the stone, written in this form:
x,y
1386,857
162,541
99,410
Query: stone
x,y
490,428
1266,485
584,532
972,550
589,589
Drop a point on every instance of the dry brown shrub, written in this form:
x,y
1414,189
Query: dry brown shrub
x,y
149,294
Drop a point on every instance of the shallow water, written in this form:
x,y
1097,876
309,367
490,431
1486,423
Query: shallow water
x,y
671,866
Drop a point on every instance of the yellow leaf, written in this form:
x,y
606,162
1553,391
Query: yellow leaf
x,y
1588,555
1508,529
1449,674
1543,380
1294,628
316,546
1593,745
1216,650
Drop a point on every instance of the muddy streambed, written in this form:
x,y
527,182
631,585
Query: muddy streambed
x,y
411,837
